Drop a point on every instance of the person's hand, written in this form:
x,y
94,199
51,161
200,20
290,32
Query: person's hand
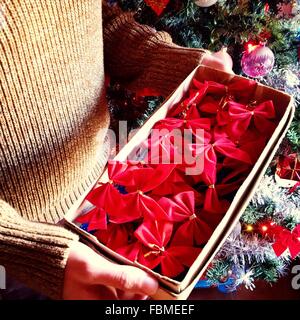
x,y
220,60
89,276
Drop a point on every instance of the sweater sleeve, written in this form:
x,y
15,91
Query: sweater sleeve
x,y
34,253
141,57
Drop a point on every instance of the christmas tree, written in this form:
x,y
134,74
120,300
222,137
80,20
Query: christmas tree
x,y
249,253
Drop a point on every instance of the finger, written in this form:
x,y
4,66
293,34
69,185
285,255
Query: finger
x,y
128,279
130,296
94,292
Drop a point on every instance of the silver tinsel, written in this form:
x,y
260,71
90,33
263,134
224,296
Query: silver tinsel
x,y
285,203
286,79
247,249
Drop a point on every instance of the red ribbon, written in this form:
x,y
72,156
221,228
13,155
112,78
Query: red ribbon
x,y
240,118
212,106
213,201
241,89
181,208
96,219
158,6
217,142
116,235
155,252
188,124
286,239
186,108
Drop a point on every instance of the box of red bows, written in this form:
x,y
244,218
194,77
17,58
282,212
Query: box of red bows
x,y
171,196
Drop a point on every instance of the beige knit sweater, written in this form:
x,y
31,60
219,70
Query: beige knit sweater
x,y
52,109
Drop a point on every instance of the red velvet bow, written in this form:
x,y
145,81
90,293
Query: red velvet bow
x,y
212,106
212,220
108,201
193,232
181,208
155,238
241,116
105,196
137,182
286,239
176,183
189,124
161,149
134,203
207,149
252,142
241,89
144,179
116,235
170,149
213,201
186,108
131,251
95,218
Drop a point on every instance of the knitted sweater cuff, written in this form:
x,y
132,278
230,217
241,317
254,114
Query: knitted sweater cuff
x,y
34,253
140,56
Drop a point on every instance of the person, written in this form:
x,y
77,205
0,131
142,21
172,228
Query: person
x,y
53,112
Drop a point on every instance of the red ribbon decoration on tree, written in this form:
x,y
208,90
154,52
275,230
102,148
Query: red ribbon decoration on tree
x,y
158,6
286,239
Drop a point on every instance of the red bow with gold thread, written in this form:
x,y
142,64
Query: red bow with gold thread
x,y
138,181
155,237
217,142
181,208
188,124
105,194
241,90
241,116
187,108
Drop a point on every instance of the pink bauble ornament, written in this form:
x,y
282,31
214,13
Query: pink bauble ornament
x,y
205,3
257,61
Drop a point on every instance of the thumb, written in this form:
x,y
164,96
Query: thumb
x,y
128,279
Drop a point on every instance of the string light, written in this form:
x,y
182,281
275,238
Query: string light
x,y
250,47
249,228
264,228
